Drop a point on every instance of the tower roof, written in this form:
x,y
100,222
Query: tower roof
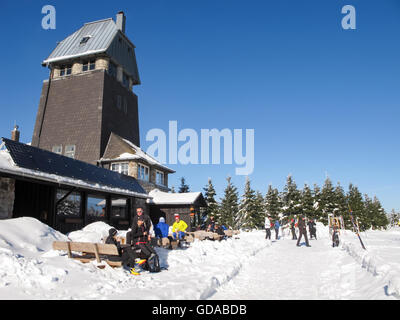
x,y
94,38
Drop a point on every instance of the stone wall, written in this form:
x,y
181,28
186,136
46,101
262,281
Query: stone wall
x,y
7,195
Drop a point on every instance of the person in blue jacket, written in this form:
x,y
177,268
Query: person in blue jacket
x,y
277,226
161,230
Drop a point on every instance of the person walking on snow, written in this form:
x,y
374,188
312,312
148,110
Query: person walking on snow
x,y
312,229
302,231
277,226
293,229
267,226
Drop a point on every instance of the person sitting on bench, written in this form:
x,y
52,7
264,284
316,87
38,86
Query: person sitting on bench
x,y
161,231
218,230
178,228
127,254
139,236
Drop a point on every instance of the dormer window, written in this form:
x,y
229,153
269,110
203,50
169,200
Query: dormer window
x,y
89,65
65,70
125,80
84,40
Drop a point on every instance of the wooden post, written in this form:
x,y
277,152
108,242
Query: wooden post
x,y
96,252
69,250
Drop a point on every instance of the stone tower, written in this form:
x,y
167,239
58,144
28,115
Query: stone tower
x,y
89,92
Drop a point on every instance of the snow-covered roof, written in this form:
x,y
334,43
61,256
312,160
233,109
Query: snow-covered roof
x,y
138,154
159,197
9,166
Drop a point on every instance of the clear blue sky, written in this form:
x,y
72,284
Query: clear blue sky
x,y
322,100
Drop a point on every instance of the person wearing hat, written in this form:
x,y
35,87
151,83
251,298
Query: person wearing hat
x,y
178,228
218,230
267,226
127,255
161,231
146,219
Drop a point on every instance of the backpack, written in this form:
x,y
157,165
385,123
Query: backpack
x,y
154,264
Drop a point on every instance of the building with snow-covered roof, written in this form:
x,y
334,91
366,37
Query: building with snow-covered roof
x,y
125,157
188,205
64,193
89,93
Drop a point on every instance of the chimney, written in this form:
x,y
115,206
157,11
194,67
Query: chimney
x,y
121,20
15,134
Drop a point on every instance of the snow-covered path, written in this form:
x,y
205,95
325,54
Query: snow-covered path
x,y
242,267
284,271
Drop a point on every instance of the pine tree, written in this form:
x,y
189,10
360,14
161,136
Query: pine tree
x,y
291,198
341,205
259,215
229,206
380,219
184,188
317,202
247,209
212,205
307,202
327,201
356,203
272,203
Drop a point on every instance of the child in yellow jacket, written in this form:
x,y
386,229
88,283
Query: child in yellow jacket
x,y
178,228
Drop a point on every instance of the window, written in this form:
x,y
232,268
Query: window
x,y
96,206
70,151
65,70
119,102
57,149
143,172
121,167
125,106
84,40
125,80
89,65
112,69
119,208
160,178
70,206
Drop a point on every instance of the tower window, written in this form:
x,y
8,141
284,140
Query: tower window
x,y
125,106
84,40
89,65
70,151
119,102
57,149
125,80
112,69
65,70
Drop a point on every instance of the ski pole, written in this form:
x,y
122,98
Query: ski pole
x,y
355,228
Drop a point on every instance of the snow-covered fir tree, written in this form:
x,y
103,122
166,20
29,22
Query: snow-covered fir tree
x,y
212,204
316,193
259,216
328,202
356,203
307,202
247,208
183,188
272,203
341,205
291,198
229,205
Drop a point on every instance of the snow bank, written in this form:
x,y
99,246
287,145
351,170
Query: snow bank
x,y
373,262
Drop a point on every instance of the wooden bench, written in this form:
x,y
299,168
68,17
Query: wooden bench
x,y
89,251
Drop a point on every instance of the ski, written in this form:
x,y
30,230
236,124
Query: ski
x,y
356,229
